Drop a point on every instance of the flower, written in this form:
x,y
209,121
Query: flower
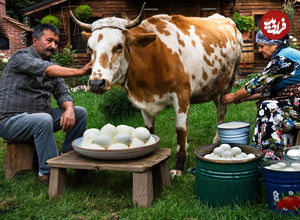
x,y
4,60
285,203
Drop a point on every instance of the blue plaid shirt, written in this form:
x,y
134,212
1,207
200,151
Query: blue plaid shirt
x,y
25,87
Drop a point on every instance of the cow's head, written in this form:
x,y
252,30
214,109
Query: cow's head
x,y
108,43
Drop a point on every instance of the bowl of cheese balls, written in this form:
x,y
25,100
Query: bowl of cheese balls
x,y
116,142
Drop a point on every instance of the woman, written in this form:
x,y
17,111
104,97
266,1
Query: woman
x,y
278,88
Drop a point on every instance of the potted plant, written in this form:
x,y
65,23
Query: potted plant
x,y
50,19
245,24
83,12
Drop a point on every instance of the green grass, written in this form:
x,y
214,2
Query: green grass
x,y
108,194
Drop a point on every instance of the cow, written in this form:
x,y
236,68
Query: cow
x,y
165,60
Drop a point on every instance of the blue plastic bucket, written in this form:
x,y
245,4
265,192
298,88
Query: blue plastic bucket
x,y
282,189
234,132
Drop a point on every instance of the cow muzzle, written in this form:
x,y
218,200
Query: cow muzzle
x,y
99,86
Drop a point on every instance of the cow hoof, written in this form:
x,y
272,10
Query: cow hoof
x,y
174,173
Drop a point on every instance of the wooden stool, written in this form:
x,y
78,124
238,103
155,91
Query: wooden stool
x,y
147,171
297,142
18,156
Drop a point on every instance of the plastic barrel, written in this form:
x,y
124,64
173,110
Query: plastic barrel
x,y
247,58
234,132
220,183
282,189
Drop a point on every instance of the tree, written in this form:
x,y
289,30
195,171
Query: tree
x,y
13,8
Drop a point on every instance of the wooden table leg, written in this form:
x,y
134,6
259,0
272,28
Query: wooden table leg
x,y
142,192
161,175
57,182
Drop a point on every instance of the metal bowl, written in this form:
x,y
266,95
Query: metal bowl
x,y
121,154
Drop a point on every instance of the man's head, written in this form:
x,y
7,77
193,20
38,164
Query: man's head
x,y
45,40
268,46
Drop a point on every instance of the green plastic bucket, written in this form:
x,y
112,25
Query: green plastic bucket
x,y
220,183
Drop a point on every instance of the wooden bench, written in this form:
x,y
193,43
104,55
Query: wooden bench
x,y
147,171
18,156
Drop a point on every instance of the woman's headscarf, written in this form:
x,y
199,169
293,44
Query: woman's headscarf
x,y
282,43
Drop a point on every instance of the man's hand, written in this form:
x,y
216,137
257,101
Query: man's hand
x,y
87,68
67,120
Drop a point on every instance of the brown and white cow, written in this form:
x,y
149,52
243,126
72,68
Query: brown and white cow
x,y
165,61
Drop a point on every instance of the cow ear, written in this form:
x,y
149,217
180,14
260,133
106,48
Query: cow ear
x,y
86,35
140,40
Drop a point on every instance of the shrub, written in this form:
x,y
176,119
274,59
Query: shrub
x,y
83,12
50,19
66,59
116,105
243,23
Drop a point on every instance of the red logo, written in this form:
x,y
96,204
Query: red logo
x,y
275,24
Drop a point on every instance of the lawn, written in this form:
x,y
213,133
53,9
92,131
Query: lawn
x,y
108,195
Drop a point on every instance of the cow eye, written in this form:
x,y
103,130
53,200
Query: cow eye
x,y
119,47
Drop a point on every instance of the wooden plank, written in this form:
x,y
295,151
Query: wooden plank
x,y
18,156
142,189
57,182
76,161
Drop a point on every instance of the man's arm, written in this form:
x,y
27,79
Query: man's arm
x,y
55,71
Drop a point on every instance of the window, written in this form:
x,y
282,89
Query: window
x,y
4,43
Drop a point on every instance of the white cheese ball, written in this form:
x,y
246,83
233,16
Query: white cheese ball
x,y
141,133
109,130
136,143
275,167
151,141
236,150
123,138
226,154
92,146
207,156
117,146
91,131
241,156
281,164
296,166
268,167
89,135
125,129
225,147
103,140
293,153
218,151
250,156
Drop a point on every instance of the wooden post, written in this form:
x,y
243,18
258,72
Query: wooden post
x,y
142,192
57,182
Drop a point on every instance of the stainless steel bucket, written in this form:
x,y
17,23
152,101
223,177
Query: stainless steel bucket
x,y
234,132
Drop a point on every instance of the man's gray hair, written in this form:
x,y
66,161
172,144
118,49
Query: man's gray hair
x,y
39,30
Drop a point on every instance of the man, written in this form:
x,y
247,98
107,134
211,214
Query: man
x,y
278,91
28,81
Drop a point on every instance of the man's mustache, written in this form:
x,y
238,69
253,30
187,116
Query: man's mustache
x,y
51,50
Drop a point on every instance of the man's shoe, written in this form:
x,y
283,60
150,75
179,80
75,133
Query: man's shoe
x,y
44,179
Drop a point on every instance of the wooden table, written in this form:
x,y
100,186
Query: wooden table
x,y
147,171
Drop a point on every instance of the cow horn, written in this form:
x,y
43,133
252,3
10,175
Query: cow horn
x,y
81,24
138,20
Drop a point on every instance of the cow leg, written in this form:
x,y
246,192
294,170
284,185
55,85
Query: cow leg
x,y
181,131
221,111
148,121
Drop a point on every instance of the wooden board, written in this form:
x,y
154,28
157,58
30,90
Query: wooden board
x,y
77,161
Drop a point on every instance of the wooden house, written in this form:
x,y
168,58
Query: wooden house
x,y
70,34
